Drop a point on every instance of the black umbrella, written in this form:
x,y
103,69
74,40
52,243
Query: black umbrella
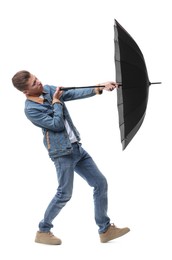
x,y
132,76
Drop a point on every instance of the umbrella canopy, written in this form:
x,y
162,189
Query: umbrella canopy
x,y
133,80
132,76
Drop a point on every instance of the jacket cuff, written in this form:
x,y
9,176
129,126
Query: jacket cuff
x,y
55,100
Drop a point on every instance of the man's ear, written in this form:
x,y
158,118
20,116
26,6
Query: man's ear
x,y
25,92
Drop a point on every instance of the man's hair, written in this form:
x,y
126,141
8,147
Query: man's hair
x,y
20,79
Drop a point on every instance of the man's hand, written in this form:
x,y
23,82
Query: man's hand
x,y
57,93
109,86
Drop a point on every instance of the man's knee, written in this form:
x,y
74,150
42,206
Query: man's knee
x,y
101,185
63,196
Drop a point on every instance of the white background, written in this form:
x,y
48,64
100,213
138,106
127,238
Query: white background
x,y
71,43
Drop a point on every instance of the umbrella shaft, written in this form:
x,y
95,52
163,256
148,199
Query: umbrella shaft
x,y
69,88
119,84
155,83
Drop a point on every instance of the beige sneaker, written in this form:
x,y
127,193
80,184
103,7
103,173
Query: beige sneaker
x,y
113,232
47,238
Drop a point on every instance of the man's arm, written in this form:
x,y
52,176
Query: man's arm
x,y
86,92
52,120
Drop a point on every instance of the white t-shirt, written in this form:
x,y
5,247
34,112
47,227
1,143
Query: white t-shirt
x,y
71,134
72,137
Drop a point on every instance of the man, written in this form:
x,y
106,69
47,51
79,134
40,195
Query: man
x,y
45,108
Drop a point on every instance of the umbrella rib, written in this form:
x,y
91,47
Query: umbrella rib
x,y
130,112
125,62
131,47
135,129
135,50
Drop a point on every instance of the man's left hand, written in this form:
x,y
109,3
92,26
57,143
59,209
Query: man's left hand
x,y
109,86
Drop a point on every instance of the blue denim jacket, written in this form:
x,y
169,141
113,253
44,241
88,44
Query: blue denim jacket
x,y
50,117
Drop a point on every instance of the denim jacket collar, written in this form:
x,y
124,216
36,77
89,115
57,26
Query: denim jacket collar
x,y
39,99
35,99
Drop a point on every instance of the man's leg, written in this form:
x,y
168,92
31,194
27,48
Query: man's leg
x,y
65,172
88,170
64,169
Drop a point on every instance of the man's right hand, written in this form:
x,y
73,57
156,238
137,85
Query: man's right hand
x,y
57,93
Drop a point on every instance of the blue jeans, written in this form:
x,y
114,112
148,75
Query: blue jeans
x,y
80,162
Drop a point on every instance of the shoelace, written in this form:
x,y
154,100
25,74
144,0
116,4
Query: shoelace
x,y
51,234
112,225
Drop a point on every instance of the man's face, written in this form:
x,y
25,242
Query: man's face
x,y
34,87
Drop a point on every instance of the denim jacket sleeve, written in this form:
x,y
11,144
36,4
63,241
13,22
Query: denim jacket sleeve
x,y
73,94
52,120
78,94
